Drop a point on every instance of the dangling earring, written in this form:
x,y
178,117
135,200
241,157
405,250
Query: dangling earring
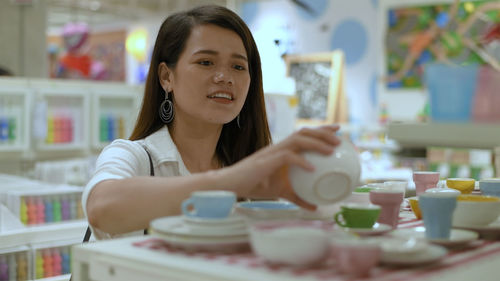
x,y
238,121
166,110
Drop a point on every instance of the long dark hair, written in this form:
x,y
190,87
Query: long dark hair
x,y
235,142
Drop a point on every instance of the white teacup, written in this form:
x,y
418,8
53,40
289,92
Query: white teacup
x,y
334,178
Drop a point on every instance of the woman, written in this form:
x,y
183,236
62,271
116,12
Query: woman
x,y
203,122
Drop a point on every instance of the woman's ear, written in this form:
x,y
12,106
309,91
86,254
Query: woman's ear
x,y
165,77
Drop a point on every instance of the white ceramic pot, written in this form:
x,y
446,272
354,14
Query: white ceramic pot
x,y
334,178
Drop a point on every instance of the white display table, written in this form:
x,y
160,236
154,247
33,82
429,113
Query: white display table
x,y
148,258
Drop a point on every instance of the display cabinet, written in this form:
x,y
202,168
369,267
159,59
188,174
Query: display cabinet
x,y
14,116
61,116
14,263
51,259
114,111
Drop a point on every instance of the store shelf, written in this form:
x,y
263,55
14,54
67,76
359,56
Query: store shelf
x,y
111,114
43,234
390,145
66,114
14,117
463,135
64,277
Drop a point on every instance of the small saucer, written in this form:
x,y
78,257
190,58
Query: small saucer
x,y
176,225
396,245
430,253
457,236
377,229
233,219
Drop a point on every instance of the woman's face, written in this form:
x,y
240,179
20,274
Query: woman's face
x,y
211,79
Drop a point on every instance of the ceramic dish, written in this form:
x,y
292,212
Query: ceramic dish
x,y
377,229
430,254
291,242
457,236
396,245
268,210
204,244
492,228
231,220
177,226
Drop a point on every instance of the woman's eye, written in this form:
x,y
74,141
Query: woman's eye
x,y
205,62
239,67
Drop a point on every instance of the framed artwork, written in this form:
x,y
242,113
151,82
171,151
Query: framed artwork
x,y
319,87
417,32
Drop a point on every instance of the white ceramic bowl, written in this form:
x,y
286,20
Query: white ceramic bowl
x,y
335,176
476,213
291,242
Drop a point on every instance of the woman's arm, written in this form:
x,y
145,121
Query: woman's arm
x,y
123,205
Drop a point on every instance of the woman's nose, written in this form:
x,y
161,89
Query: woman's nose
x,y
221,76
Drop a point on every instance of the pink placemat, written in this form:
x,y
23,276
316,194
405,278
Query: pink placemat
x,y
248,261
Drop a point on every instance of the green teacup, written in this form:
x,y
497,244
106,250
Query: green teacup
x,y
363,189
357,215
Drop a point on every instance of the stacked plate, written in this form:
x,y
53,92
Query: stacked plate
x,y
196,234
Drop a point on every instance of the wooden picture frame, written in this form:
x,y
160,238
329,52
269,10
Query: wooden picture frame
x,y
319,87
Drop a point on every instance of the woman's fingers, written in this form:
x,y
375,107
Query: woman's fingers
x,y
325,133
285,158
301,143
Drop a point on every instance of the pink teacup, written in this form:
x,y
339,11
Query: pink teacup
x,y
356,256
425,180
389,201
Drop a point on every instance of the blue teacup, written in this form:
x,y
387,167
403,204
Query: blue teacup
x,y
214,204
490,187
437,211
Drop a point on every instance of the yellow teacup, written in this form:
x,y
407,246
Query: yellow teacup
x,y
414,207
478,198
464,185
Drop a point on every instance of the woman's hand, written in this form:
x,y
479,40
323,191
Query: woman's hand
x,y
264,174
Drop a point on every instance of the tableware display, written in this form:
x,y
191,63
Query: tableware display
x,y
357,215
295,243
334,178
228,225
356,256
490,187
203,244
187,234
376,229
458,237
431,254
437,212
491,230
268,210
390,202
464,185
396,185
425,180
177,225
209,204
413,201
360,195
230,220
446,190
402,245
476,210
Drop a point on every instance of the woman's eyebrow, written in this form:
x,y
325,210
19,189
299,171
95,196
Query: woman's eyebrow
x,y
212,52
